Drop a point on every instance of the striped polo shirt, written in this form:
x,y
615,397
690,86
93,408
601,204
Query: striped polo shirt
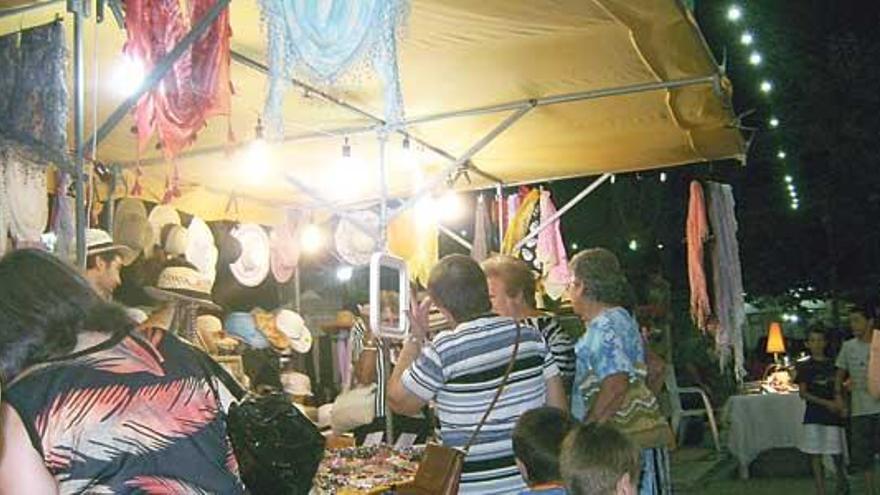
x,y
560,344
461,370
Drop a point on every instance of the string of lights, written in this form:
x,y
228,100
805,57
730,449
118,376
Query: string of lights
x,y
747,38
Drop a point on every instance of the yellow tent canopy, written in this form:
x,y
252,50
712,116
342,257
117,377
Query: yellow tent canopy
x,y
588,87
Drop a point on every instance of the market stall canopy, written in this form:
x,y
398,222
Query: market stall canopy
x,y
594,71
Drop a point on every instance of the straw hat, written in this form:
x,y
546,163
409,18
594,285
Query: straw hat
x,y
200,250
99,241
294,327
210,330
175,240
183,283
252,266
296,383
284,251
242,326
344,321
130,225
265,323
354,245
160,216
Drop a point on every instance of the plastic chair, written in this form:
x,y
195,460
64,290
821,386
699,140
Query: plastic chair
x,y
677,412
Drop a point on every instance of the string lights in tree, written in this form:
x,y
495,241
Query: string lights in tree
x,y
747,38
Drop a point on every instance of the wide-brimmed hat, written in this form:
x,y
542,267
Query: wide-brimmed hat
x,y
210,330
296,383
294,327
252,266
160,216
99,241
353,244
265,322
243,327
183,283
284,251
175,240
130,225
200,250
344,321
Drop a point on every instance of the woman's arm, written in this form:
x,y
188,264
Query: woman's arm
x,y
556,393
21,468
608,400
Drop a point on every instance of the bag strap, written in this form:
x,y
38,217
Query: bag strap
x,y
507,372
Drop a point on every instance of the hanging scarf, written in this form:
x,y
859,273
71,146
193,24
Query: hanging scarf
x,y
727,275
482,231
324,40
697,233
196,88
520,221
551,251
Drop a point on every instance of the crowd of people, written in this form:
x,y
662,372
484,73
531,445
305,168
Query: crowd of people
x,y
100,399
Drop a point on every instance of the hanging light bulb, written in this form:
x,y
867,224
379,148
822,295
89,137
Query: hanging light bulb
x,y
746,38
774,122
755,58
258,163
766,86
613,178
128,76
662,176
788,179
781,155
311,238
574,246
344,273
734,13
791,187
633,245
450,207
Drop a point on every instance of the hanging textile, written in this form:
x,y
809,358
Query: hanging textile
x,y
39,103
25,190
196,88
512,206
555,273
520,222
325,40
482,231
727,275
63,221
697,233
8,74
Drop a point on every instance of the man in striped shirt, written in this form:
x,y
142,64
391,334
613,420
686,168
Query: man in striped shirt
x,y
512,292
462,369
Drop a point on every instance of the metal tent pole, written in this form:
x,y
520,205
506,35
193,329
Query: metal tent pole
x,y
575,200
455,237
76,8
499,195
159,71
482,143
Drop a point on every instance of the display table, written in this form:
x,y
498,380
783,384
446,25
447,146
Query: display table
x,y
762,422
365,470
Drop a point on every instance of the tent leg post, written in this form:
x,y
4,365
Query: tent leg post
x,y
159,71
575,200
482,143
499,196
76,8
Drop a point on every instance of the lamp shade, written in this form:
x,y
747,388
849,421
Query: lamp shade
x,y
775,342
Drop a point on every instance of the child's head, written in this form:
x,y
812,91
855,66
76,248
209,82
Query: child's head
x,y
599,460
817,341
861,319
537,438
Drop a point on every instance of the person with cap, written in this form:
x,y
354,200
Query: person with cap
x,y
104,259
91,406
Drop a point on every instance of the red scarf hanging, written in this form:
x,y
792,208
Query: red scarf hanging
x,y
196,88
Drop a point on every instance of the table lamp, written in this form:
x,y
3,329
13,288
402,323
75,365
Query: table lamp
x,y
775,342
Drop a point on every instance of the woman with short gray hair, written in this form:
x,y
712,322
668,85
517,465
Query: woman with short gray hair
x,y
609,384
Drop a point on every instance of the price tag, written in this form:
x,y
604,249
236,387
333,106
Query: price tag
x,y
405,441
374,439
